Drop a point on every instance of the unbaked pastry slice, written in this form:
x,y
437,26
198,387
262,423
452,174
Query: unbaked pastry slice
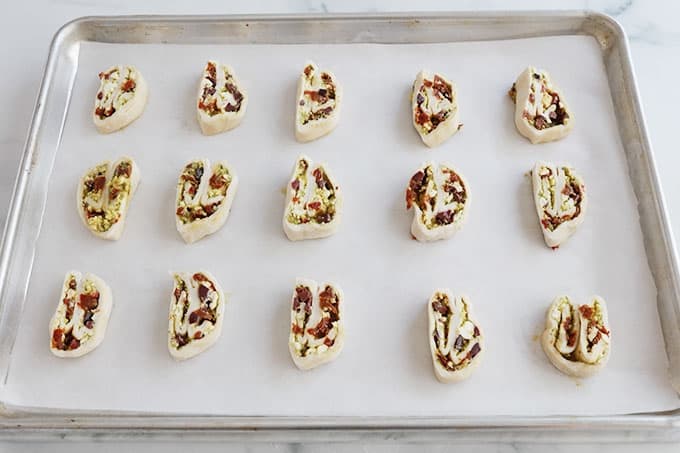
x,y
434,108
313,202
577,340
318,103
456,342
79,322
204,198
439,196
196,311
316,332
541,114
560,199
104,195
121,98
222,100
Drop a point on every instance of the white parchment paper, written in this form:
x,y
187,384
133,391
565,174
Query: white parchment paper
x,y
498,259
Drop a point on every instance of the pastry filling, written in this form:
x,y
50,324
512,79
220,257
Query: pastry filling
x,y
560,196
220,94
117,87
455,336
75,315
318,338
439,203
543,108
581,335
595,337
318,99
199,197
194,309
434,103
314,199
104,202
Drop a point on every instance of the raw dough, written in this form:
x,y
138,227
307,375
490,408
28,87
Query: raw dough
x,y
313,202
456,342
434,108
121,98
318,103
204,198
577,340
439,196
222,100
541,113
317,331
196,311
104,194
79,323
561,200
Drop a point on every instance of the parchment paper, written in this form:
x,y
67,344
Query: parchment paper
x,y
498,259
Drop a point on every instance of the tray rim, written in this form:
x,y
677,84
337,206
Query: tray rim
x,y
20,421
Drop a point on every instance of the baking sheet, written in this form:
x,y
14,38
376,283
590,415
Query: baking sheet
x,y
498,259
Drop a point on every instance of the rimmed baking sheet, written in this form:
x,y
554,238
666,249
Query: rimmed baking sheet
x,y
499,259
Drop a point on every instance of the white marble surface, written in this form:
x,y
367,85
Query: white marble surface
x,y
26,28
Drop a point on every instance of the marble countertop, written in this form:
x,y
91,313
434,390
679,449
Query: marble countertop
x,y
27,28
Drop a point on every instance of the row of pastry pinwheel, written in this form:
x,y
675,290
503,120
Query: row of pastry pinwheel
x,y
196,316
204,197
438,194
81,318
541,113
577,340
221,102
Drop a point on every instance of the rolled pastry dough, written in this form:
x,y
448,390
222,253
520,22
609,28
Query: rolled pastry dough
x,y
577,340
439,196
204,198
561,201
313,202
121,98
456,342
79,323
196,312
434,108
317,332
104,195
541,114
318,103
222,100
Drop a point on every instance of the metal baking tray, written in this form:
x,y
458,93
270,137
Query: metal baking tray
x,y
17,256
